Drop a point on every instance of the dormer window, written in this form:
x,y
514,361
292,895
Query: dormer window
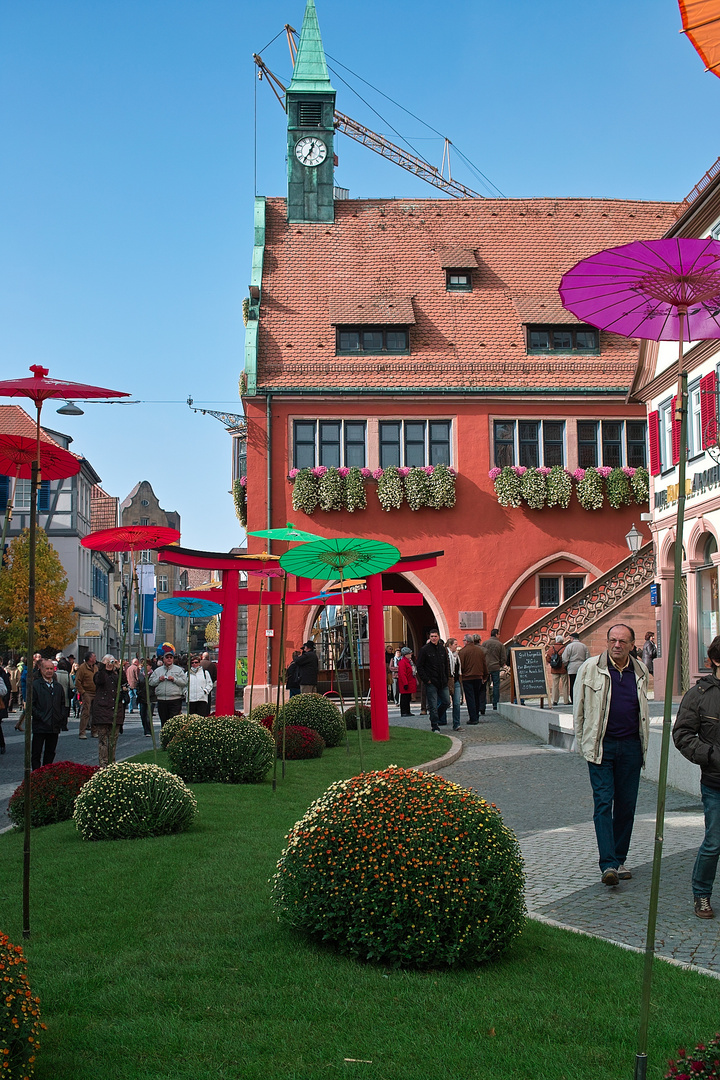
x,y
563,339
458,281
371,340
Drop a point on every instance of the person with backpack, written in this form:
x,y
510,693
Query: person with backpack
x,y
558,670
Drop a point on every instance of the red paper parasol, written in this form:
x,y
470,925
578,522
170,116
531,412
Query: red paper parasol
x,y
39,388
131,538
17,453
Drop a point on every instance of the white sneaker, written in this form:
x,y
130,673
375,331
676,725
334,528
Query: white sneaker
x,y
623,872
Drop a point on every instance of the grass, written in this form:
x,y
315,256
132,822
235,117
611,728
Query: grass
x,y
162,959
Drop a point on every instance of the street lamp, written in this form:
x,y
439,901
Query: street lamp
x,y
633,539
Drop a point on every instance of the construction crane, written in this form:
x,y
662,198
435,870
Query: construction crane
x,y
371,139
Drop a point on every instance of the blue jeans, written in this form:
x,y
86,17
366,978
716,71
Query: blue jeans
x,y
707,857
456,699
615,783
438,703
133,700
495,676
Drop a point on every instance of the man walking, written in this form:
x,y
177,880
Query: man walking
x,y
474,671
132,680
85,684
169,682
48,715
556,662
696,735
612,729
575,655
455,688
434,672
495,659
307,668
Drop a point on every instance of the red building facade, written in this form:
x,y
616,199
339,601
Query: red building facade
x,y
418,333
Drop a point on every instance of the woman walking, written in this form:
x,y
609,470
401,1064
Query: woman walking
x,y
106,680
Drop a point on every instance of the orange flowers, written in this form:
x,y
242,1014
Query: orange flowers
x,y
19,1015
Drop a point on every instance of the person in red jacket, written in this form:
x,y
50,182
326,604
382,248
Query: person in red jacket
x,y
407,683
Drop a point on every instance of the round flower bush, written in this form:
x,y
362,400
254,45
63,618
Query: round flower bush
x,y
316,712
703,1061
130,802
405,868
222,750
262,711
20,1024
53,790
171,727
301,743
350,715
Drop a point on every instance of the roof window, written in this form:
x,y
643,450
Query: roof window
x,y
561,338
371,340
458,281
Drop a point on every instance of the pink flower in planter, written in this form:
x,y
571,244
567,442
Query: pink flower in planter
x,y
629,471
604,471
343,471
403,471
493,474
579,474
377,474
543,470
366,474
519,470
243,481
293,473
319,471
429,469
453,472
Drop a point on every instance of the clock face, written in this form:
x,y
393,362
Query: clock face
x,y
310,151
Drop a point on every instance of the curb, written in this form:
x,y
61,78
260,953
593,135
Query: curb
x,y
447,759
623,945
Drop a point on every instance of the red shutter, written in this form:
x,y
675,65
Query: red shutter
x,y
675,433
708,410
654,441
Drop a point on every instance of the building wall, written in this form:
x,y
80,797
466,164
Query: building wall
x,y
142,507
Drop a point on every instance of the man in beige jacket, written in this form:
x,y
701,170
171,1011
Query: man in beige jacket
x,y
85,684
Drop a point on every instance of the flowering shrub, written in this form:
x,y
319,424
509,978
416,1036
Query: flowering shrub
x,y
355,497
403,867
331,490
222,750
442,487
559,487
240,498
702,1062
301,743
589,489
53,790
507,485
640,484
390,488
260,713
130,802
533,488
171,727
351,715
316,712
617,486
20,1024
305,491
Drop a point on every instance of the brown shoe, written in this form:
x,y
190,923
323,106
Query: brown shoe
x,y
610,876
703,909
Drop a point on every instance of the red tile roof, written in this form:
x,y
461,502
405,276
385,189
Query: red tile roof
x,y
470,341
15,421
103,509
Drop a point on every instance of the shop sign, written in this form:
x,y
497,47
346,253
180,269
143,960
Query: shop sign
x,y
655,594
471,620
90,626
700,483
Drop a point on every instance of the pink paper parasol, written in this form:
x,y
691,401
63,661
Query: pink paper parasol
x,y
130,538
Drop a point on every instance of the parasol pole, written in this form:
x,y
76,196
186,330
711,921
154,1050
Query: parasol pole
x,y
281,683
333,652
681,414
8,515
353,667
142,650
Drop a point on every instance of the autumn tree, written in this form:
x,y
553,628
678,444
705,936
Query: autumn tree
x,y
55,619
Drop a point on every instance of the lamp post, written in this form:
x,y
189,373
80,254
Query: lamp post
x,y
633,539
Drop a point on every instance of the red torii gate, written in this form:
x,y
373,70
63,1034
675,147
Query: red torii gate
x,y
231,596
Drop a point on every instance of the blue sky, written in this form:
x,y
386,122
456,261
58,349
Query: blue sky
x,y
128,148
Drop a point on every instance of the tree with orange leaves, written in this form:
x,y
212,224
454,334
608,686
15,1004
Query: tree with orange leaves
x,y
55,619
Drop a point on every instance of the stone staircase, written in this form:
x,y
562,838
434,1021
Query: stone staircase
x,y
587,607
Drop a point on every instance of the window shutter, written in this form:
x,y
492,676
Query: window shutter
x,y
675,432
708,410
654,441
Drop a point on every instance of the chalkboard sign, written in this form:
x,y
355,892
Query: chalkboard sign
x,y
530,673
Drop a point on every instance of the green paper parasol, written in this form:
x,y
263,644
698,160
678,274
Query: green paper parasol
x,y
290,534
339,557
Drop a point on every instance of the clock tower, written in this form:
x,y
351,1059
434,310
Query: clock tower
x,y
310,103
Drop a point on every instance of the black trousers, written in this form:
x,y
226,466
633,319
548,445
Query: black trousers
x,y
46,741
475,698
166,709
199,708
405,700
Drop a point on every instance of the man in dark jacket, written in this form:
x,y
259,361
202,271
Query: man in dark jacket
x,y
697,736
48,715
307,668
434,671
474,675
495,658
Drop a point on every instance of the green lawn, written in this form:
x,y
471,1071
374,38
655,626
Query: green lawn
x,y
163,959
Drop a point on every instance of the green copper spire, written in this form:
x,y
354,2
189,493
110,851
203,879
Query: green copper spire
x,y
310,74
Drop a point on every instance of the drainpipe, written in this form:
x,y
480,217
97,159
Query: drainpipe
x,y
268,433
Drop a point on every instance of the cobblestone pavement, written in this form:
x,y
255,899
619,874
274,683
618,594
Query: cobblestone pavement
x,y
544,796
